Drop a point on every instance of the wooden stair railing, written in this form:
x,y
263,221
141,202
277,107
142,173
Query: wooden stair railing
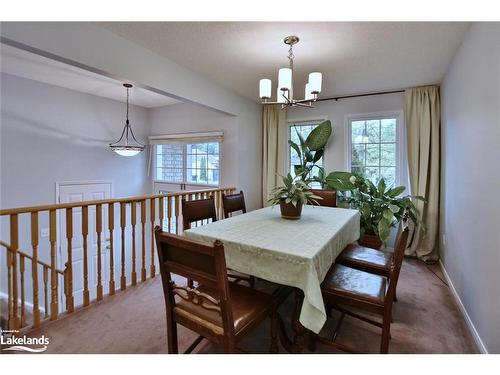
x,y
163,208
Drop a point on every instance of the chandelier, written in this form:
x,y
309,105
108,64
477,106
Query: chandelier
x,y
284,92
127,146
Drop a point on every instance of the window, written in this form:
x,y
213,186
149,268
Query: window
x,y
304,129
374,147
189,163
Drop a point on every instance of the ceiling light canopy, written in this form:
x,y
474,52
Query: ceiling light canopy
x,y
127,146
284,91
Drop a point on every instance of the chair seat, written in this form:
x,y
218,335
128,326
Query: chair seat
x,y
247,306
366,259
348,282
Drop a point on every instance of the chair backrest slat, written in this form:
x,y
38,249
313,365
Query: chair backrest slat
x,y
232,203
197,210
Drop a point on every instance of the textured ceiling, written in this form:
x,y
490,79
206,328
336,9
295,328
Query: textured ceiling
x,y
354,57
28,65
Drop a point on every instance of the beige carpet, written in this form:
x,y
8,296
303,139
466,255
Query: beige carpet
x,y
426,320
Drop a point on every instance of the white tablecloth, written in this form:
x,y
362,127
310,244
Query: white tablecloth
x,y
296,253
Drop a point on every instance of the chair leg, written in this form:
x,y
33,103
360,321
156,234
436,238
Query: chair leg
x,y
172,337
386,333
274,331
230,347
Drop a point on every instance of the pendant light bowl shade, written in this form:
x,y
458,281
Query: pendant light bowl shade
x,y
127,145
127,151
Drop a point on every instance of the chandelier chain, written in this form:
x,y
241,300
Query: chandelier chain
x,y
291,56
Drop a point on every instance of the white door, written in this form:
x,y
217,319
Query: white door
x,y
78,192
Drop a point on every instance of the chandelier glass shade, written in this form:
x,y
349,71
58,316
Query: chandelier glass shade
x,y
127,145
284,91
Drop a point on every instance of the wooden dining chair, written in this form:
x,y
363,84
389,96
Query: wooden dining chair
x,y
367,259
204,209
217,310
232,203
198,210
345,287
329,197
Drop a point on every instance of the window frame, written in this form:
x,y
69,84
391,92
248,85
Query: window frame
x,y
308,121
401,176
184,164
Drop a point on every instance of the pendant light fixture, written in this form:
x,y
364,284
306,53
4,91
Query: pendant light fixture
x,y
284,91
127,146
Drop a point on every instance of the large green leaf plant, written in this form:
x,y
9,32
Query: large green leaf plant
x,y
310,151
294,191
380,206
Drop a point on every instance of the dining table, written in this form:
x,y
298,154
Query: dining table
x,y
291,253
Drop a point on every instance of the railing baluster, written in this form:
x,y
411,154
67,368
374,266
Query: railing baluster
x,y
14,243
23,307
85,232
169,213
45,290
133,221
69,236
34,268
54,308
111,228
9,287
152,214
98,229
143,240
176,200
123,223
65,285
161,207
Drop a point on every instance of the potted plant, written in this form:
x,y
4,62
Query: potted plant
x,y
310,151
291,197
380,207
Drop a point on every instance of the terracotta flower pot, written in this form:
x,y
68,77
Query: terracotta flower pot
x,y
289,211
371,240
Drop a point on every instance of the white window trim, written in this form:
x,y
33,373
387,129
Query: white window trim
x,y
185,138
401,161
307,121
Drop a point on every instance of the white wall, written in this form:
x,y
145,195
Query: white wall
x,y
52,134
470,213
186,117
335,111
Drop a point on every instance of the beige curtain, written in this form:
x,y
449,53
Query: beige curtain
x,y
274,140
423,122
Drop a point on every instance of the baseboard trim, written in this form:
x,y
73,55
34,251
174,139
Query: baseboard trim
x,y
27,304
475,334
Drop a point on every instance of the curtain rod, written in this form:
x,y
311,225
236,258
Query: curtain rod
x,y
360,95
